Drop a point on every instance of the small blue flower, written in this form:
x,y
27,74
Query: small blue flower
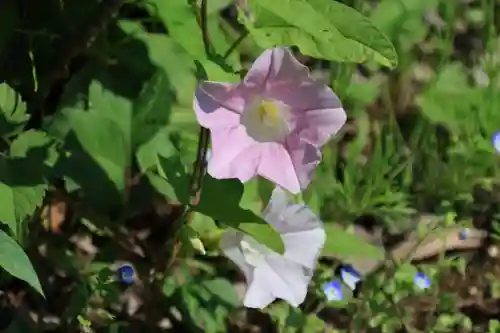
x,y
464,234
350,276
422,281
496,141
126,274
333,290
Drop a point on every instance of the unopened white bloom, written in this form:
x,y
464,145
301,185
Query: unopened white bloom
x,y
270,275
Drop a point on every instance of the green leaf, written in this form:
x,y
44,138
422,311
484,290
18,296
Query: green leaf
x,y
16,262
223,289
220,199
12,110
102,139
343,245
172,180
449,100
28,140
169,56
95,155
180,19
32,140
151,109
402,20
160,145
320,28
22,185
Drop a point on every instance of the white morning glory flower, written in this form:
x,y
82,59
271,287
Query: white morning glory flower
x,y
422,281
270,275
496,141
333,291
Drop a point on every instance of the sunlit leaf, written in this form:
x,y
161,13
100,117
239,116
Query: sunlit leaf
x,y
320,28
16,263
220,200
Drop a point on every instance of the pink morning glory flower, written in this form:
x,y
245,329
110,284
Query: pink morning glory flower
x,y
268,274
271,124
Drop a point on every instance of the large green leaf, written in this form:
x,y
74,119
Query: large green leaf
x,y
95,156
450,99
12,110
22,184
171,180
180,19
108,123
103,141
137,120
344,245
222,289
220,199
165,53
16,262
320,28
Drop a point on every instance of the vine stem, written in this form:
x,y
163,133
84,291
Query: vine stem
x,y
199,167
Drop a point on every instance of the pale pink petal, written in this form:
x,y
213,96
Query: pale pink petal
x,y
318,126
275,66
317,112
277,166
234,154
304,95
305,158
218,105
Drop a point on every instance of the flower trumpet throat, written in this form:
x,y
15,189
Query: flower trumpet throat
x,y
266,120
269,113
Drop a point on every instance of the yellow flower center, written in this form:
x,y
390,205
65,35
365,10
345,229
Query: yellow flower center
x,y
269,112
266,120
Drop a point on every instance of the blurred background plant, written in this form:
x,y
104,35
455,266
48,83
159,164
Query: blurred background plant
x,y
98,137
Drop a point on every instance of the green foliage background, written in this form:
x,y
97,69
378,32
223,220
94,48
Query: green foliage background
x,y
100,162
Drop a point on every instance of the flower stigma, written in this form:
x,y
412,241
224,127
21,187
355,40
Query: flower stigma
x,y
266,120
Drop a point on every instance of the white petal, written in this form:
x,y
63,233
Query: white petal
x,y
230,245
304,247
287,216
300,218
280,200
284,279
258,294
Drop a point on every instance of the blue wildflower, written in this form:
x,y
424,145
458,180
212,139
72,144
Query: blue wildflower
x,y
496,141
422,281
350,276
126,274
464,234
333,290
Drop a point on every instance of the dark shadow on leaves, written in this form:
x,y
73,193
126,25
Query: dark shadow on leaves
x,y
177,177
130,74
28,170
76,164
